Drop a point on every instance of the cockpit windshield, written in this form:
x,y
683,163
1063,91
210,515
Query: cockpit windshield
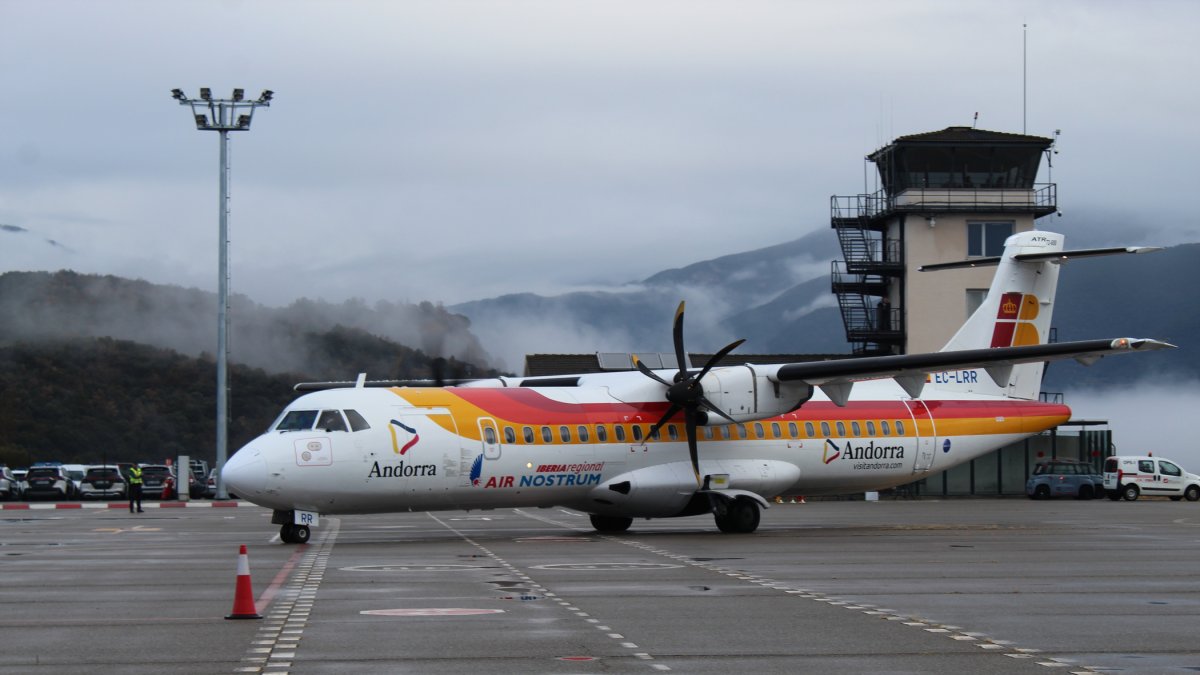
x,y
297,420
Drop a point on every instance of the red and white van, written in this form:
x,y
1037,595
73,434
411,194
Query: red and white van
x,y
1129,477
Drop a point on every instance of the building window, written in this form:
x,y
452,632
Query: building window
x,y
987,238
975,298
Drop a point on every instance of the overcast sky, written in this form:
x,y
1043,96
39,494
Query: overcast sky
x,y
450,151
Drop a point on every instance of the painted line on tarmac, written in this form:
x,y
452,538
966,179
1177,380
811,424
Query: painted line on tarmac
x,y
633,648
26,506
956,633
277,640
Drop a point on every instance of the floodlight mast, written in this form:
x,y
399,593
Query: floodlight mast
x,y
222,116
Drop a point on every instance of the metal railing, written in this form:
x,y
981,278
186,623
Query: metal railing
x,y
1042,197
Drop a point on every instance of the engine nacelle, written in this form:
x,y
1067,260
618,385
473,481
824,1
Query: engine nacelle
x,y
746,394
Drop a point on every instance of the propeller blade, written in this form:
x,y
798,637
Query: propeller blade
x,y
677,334
645,370
716,358
663,420
693,451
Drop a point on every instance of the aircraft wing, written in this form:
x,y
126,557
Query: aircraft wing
x,y
909,370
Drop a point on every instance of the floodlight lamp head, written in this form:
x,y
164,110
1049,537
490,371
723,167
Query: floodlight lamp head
x,y
206,93
201,121
239,94
266,96
177,94
243,122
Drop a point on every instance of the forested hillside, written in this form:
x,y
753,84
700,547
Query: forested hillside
x,y
89,399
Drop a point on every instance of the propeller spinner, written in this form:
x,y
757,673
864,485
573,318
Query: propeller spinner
x,y
686,393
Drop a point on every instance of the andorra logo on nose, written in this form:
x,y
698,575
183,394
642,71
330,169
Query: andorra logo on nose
x,y
396,442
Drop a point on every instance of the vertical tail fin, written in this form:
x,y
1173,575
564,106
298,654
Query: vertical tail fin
x,y
1016,311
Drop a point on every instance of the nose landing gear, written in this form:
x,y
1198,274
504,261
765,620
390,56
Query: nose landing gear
x,y
294,534
289,531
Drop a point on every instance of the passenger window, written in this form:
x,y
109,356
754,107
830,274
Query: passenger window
x,y
775,432
637,432
741,431
885,428
547,435
527,433
841,427
583,433
619,432
758,430
825,429
1146,466
899,428
654,434
809,431
857,430
565,434
1169,469
331,420
357,422
297,420
673,432
870,428
793,430
601,434
708,433
489,435
510,436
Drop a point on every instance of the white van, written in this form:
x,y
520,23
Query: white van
x,y
1131,476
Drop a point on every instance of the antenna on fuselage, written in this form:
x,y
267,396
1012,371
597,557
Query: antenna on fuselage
x,y
362,379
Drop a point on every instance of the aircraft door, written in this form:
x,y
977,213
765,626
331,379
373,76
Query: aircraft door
x,y
926,443
490,437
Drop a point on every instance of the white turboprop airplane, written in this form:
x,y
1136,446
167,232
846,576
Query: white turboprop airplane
x,y
661,444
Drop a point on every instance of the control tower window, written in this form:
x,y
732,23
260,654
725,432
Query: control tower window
x,y
987,239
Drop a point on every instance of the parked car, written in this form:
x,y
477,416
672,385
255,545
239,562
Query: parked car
x,y
49,481
1129,477
101,482
10,485
1064,478
154,479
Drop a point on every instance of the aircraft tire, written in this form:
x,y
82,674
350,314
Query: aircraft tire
x,y
610,524
741,516
294,534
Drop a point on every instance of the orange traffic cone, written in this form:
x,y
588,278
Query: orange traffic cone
x,y
243,595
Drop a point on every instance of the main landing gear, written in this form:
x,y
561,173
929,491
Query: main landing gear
x,y
736,516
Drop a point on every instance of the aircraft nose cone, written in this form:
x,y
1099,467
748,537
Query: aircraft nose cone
x,y
245,474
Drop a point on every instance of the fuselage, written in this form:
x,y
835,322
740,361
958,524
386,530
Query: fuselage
x,y
586,447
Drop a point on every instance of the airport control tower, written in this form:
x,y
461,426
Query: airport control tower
x,y
947,195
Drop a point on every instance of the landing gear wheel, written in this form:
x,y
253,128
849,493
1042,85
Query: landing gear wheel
x,y
294,534
610,524
740,516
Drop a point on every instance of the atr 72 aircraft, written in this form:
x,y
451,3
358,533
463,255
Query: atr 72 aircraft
x,y
660,444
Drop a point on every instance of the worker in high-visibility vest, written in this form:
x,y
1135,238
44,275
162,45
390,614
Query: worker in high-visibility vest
x,y
135,488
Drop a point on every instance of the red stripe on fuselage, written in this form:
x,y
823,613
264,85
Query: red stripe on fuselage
x,y
528,406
